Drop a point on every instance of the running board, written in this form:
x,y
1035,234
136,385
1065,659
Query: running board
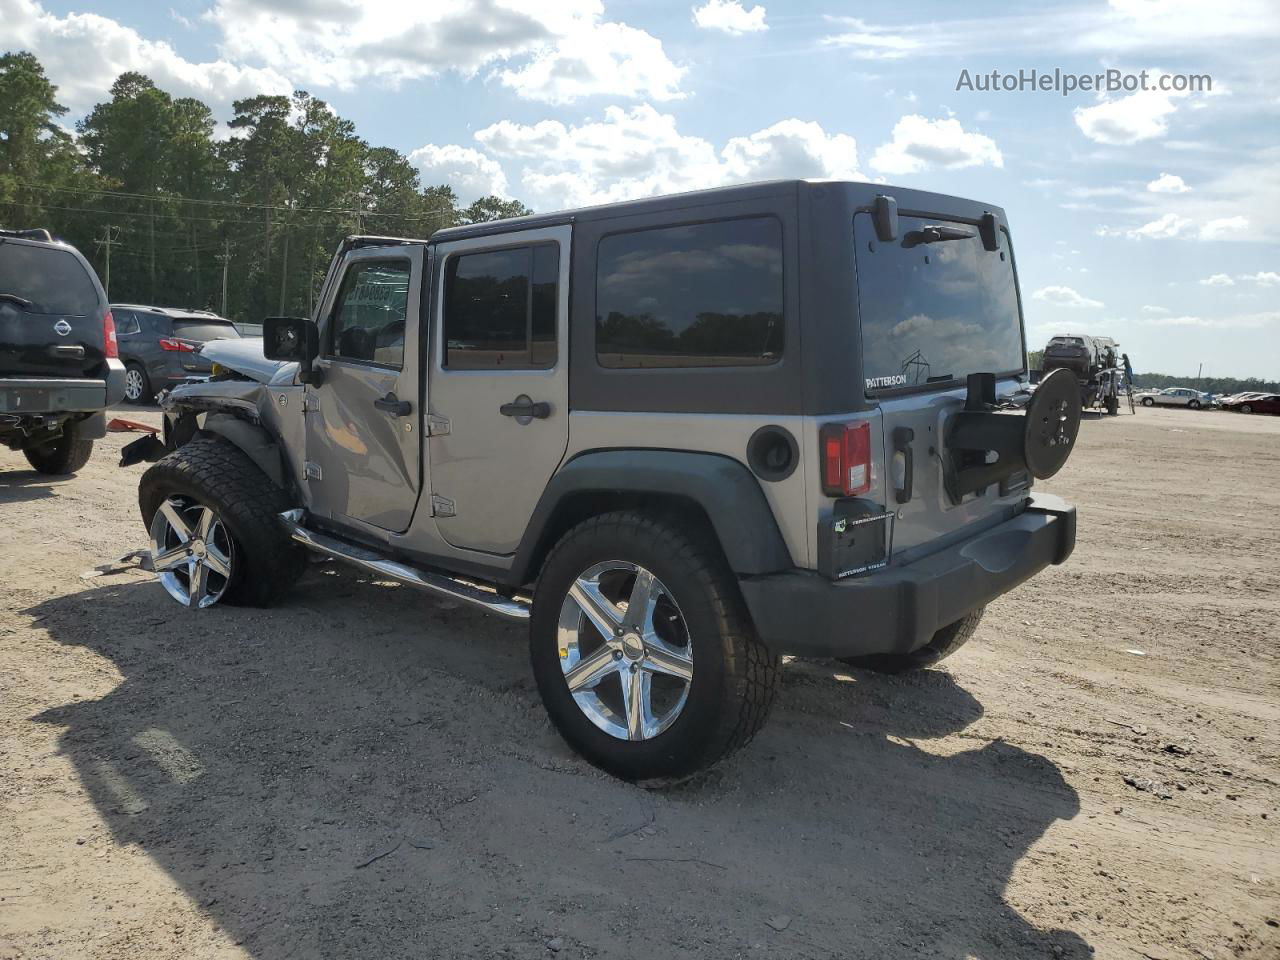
x,y
434,583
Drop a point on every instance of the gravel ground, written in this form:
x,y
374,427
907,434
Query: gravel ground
x,y
364,772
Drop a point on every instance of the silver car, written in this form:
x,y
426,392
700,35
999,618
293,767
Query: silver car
x,y
1174,397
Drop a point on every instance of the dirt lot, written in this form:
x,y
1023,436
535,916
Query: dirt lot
x,y
364,772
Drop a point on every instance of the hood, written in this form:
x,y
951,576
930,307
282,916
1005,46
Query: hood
x,y
245,356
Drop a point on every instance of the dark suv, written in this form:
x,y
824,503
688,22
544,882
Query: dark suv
x,y
58,361
678,437
159,346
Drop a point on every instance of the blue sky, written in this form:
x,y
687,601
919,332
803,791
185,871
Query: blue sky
x,y
1152,217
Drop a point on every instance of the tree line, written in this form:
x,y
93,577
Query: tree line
x,y
171,214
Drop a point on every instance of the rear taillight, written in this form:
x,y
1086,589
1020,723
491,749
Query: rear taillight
x,y
846,458
110,346
172,344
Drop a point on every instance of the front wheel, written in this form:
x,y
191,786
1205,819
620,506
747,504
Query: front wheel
x,y
643,652
214,520
1246,408
65,455
1148,402
1194,404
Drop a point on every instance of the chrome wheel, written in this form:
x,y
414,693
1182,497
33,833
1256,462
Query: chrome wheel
x,y
133,384
191,552
625,651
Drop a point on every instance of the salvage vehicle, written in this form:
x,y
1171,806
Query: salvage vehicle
x,y
1253,403
676,437
159,346
59,365
1093,361
1173,397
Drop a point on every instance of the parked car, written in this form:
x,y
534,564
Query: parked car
x,y
58,360
673,476
159,346
1254,403
1174,397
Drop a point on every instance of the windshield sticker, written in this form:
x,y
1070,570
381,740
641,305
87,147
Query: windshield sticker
x,y
897,380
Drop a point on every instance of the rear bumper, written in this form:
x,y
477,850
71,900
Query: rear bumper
x,y
45,395
898,609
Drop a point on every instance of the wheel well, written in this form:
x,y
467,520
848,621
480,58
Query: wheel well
x,y
584,504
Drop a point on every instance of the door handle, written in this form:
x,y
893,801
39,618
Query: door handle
x,y
902,437
523,408
394,406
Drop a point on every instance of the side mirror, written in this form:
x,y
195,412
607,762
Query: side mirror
x,y
292,338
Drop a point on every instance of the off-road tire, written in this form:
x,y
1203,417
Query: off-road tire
x,y
946,641
734,675
1148,402
146,394
216,473
62,456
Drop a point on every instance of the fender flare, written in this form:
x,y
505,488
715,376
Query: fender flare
x,y
724,489
254,440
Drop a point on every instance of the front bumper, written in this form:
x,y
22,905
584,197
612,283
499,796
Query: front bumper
x,y
898,609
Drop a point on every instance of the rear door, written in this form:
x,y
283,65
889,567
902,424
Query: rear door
x,y
51,312
931,314
364,418
499,384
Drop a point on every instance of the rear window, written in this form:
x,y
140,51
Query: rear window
x,y
705,294
53,280
203,329
934,312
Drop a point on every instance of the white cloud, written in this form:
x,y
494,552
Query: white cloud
x,y
1060,296
1224,227
1167,183
1163,227
83,53
1263,278
730,16
1242,321
560,52
919,143
1148,308
1218,280
1128,120
469,172
869,42
640,152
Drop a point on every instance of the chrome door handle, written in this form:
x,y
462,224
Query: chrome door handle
x,y
394,406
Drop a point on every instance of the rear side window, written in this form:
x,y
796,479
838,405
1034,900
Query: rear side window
x,y
205,329
699,295
53,280
368,319
500,308
126,322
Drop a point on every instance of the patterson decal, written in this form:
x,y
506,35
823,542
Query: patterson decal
x,y
897,380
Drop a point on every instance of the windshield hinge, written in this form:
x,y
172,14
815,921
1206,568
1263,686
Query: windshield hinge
x,y
313,471
310,402
437,426
441,506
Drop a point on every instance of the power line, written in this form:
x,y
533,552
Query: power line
x,y
169,198
251,223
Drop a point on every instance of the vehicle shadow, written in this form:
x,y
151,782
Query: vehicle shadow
x,y
366,772
20,486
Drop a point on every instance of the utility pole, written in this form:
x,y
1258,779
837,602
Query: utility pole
x,y
284,272
105,243
225,258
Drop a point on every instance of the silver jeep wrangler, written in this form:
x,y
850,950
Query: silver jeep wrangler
x,y
680,437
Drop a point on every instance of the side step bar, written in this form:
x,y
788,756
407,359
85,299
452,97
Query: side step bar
x,y
433,583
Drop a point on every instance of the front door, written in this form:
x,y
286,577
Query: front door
x,y
499,385
363,418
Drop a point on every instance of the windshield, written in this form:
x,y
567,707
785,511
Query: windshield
x,y
934,311
203,329
51,280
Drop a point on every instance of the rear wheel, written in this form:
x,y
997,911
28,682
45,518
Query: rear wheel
x,y
943,644
216,535
137,385
1246,408
644,655
65,455
1148,402
1194,404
